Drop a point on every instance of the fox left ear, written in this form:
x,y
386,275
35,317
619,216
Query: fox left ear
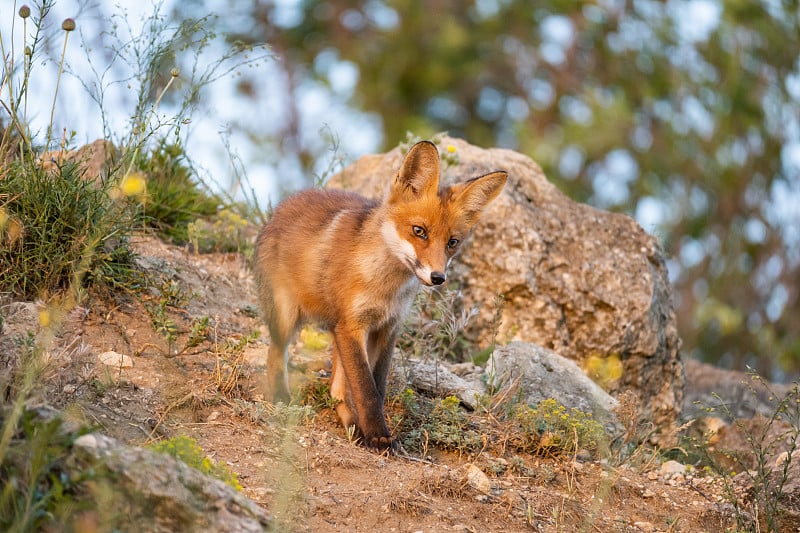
x,y
419,175
474,195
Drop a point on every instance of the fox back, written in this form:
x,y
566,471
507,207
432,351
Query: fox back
x,y
354,265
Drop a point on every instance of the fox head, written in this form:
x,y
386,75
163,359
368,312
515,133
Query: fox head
x,y
425,226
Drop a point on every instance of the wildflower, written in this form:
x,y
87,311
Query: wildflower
x,y
451,149
67,25
133,184
24,11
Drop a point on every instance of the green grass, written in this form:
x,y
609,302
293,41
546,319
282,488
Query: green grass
x,y
58,230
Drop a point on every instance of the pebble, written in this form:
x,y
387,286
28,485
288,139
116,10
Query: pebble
x,y
478,480
115,359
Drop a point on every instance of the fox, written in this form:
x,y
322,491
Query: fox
x,y
354,265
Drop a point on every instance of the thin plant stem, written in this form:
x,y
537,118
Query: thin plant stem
x,y
25,69
55,94
146,122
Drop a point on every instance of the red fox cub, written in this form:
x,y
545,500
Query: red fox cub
x,y
354,265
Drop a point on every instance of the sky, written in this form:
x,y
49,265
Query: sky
x,y
224,123
219,127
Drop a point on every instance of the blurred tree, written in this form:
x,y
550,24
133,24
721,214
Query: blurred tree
x,y
684,113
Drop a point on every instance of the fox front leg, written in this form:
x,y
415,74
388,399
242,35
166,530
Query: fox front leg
x,y
380,346
366,400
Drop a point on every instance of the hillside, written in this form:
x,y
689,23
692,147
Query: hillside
x,y
308,475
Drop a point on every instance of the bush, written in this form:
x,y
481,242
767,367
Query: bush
x,y
55,227
187,450
173,198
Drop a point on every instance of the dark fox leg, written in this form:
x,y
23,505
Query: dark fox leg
x,y
380,346
368,403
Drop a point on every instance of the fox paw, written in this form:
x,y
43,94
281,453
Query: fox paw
x,y
381,442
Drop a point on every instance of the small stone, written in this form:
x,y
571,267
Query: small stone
x,y
112,358
478,480
648,494
672,467
644,526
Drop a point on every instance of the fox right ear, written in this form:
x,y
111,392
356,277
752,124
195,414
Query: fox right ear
x,y
419,174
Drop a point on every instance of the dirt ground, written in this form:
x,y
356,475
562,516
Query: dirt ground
x,y
310,476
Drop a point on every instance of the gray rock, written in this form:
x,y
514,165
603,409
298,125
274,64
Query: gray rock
x,y
730,393
155,492
577,280
540,374
438,380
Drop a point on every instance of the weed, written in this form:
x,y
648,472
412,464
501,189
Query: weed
x,y
226,231
174,200
187,450
59,227
772,442
436,327
549,427
38,492
228,366
423,422
317,394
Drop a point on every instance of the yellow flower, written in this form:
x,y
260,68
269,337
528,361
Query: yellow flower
x,y
44,318
133,184
451,149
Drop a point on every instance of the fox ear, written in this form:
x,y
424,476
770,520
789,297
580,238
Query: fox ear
x,y
474,195
419,174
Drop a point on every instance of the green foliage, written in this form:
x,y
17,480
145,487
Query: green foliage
x,y
59,229
174,199
550,427
38,491
422,422
222,232
187,450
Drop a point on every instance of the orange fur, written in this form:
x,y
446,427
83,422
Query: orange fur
x,y
354,265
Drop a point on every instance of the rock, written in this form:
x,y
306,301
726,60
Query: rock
x,y
159,493
579,281
118,360
478,480
94,160
730,393
438,381
540,374
672,467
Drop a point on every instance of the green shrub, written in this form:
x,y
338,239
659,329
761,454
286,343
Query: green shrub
x,y
187,450
56,228
550,427
173,198
38,493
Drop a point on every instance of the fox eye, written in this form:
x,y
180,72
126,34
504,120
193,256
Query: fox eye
x,y
452,243
420,232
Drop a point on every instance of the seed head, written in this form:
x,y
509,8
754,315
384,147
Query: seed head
x,y
25,12
174,72
68,25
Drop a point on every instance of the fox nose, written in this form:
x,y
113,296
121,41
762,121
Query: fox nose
x,y
437,278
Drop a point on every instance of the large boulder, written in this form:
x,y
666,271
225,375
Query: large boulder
x,y
582,282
